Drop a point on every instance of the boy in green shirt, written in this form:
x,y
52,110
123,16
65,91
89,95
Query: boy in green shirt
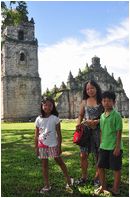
x,y
110,154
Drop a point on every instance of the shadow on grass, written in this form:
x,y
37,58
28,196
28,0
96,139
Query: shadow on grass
x,y
17,132
21,174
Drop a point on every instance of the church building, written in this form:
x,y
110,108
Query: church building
x,y
70,95
21,84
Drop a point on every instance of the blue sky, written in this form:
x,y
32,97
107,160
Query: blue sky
x,y
58,20
70,33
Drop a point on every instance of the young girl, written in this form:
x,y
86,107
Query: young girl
x,y
48,142
91,110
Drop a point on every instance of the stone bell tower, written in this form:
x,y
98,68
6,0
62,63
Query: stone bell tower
x,y
21,84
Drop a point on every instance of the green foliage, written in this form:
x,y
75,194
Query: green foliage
x,y
54,93
57,95
13,16
22,9
47,93
21,173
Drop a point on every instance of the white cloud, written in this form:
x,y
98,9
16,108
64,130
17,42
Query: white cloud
x,y
119,32
55,61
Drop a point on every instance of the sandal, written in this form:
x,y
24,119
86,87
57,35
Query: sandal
x,y
69,186
99,191
45,189
96,182
107,193
69,189
81,181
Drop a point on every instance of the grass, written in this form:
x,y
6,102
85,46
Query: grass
x,y
21,174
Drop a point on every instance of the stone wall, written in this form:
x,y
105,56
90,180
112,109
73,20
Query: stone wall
x,y
71,97
21,102
21,84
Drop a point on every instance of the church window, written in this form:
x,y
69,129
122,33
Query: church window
x,y
21,35
111,88
22,56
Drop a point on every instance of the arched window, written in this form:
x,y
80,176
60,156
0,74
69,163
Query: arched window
x,y
21,35
22,56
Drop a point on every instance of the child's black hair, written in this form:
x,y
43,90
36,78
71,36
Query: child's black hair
x,y
54,110
98,89
109,94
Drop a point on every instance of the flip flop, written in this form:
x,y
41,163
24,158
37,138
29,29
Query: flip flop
x,y
69,187
81,182
45,189
99,191
107,193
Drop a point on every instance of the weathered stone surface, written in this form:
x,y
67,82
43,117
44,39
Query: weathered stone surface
x,y
70,99
21,84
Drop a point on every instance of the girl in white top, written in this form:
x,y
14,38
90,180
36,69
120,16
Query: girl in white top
x,y
48,141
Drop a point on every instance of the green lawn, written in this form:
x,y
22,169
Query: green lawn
x,y
21,174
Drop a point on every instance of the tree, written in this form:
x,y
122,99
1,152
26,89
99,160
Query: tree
x,y
47,93
22,10
13,16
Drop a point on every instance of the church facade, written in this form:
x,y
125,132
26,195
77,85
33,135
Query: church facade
x,y
21,84
71,94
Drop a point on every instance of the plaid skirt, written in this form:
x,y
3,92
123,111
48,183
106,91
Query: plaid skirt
x,y
45,153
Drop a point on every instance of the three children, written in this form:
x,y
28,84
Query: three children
x,y
48,142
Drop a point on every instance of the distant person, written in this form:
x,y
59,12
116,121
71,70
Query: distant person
x,y
110,155
48,141
90,110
